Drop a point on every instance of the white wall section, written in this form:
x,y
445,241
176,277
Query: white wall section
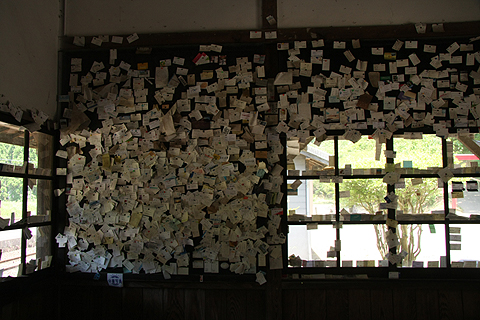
x,y
28,53
93,17
29,29
325,13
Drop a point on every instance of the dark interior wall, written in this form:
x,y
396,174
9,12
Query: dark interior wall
x,y
52,298
383,299
29,298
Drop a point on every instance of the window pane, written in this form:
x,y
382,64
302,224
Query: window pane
x,y
464,246
419,199
418,153
360,199
310,247
423,243
38,249
10,244
12,143
39,200
312,200
310,157
40,154
459,154
463,200
361,155
11,195
361,246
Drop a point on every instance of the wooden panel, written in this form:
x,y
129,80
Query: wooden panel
x,y
236,301
174,303
269,7
256,307
337,304
328,300
216,304
450,304
98,303
293,304
289,303
8,311
132,306
27,298
153,305
359,304
315,304
452,29
33,300
110,303
405,303
195,304
377,32
88,301
382,304
273,299
427,304
471,303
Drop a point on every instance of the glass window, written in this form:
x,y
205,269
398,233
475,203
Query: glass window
x,y
10,246
313,200
421,153
39,200
310,159
12,141
464,198
423,243
360,199
11,197
419,199
360,156
309,245
361,246
464,251
40,153
460,154
39,249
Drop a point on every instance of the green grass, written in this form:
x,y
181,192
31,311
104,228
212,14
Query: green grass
x,y
15,206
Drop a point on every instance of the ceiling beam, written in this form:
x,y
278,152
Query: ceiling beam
x,y
405,31
470,144
269,9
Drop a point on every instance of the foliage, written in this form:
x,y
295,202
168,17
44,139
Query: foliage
x,y
364,193
12,188
419,198
323,191
409,236
460,148
367,194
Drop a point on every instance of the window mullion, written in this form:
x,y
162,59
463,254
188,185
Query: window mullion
x,y
446,205
23,252
337,197
391,188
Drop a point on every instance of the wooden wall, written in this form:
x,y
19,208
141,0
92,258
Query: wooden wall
x,y
395,299
57,298
162,301
331,299
28,298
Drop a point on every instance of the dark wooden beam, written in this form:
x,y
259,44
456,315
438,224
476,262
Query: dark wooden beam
x,y
405,31
274,295
269,8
